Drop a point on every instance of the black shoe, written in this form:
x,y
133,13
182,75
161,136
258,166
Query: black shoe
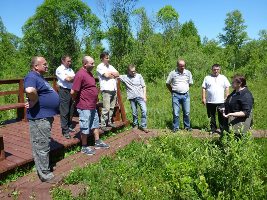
x,y
189,129
175,130
67,135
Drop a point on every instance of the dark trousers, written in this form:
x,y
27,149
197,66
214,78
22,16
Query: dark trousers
x,y
211,111
66,109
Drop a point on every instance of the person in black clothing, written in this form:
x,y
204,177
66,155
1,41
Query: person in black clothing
x,y
238,106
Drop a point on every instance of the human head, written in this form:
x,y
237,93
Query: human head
x,y
104,57
39,64
180,65
238,81
66,61
88,63
216,68
131,70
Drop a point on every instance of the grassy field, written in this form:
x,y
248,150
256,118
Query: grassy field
x,y
176,166
160,109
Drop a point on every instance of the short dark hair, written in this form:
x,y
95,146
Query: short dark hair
x,y
131,66
103,55
240,79
216,65
64,57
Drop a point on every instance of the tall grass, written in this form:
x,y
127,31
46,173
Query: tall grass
x,y
159,104
175,167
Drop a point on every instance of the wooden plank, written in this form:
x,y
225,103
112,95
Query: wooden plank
x,y
20,154
9,92
17,141
7,164
15,159
26,150
12,106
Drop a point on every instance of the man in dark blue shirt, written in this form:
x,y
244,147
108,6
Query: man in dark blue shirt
x,y
42,105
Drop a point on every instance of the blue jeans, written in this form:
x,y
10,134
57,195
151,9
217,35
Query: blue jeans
x,y
184,100
140,101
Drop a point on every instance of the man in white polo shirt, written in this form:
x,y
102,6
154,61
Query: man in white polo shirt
x,y
107,75
216,87
65,76
178,83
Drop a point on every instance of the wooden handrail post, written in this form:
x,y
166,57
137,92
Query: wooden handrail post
x,y
2,152
122,109
21,112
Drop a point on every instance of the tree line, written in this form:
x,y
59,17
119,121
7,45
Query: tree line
x,y
153,44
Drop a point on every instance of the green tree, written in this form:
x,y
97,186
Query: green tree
x,y
235,34
119,33
60,27
167,17
189,30
9,44
234,38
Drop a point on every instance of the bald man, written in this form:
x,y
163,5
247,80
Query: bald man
x,y
42,105
85,94
178,83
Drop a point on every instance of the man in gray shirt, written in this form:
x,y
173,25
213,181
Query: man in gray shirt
x,y
136,93
178,83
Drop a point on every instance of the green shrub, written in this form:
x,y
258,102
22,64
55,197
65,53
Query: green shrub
x,y
177,167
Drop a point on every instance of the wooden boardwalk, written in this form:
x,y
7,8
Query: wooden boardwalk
x,y
17,144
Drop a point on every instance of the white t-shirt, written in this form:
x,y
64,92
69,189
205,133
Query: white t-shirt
x,y
62,72
109,84
215,88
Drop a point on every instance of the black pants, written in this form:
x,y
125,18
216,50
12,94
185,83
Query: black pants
x,y
211,111
66,109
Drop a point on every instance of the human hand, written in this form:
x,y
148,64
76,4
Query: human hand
x,y
145,99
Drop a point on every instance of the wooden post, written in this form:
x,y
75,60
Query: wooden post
x,y
2,152
21,112
121,106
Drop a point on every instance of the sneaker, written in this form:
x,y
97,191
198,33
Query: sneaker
x,y
88,151
189,129
105,129
101,145
72,129
135,127
67,135
112,125
144,129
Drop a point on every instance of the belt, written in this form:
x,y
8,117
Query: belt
x,y
180,93
64,88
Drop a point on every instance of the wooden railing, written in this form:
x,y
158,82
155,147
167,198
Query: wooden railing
x,y
119,112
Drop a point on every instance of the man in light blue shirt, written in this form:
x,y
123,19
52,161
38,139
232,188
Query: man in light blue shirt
x,y
136,94
178,83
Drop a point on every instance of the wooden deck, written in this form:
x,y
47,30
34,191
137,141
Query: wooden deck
x,y
17,146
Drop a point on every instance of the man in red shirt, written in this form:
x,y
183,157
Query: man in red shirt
x,y
85,93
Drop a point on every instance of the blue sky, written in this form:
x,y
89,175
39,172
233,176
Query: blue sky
x,y
208,15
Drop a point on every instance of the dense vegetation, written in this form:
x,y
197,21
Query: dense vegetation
x,y
152,43
176,167
171,166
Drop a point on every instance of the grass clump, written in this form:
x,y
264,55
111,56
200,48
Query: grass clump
x,y
176,167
